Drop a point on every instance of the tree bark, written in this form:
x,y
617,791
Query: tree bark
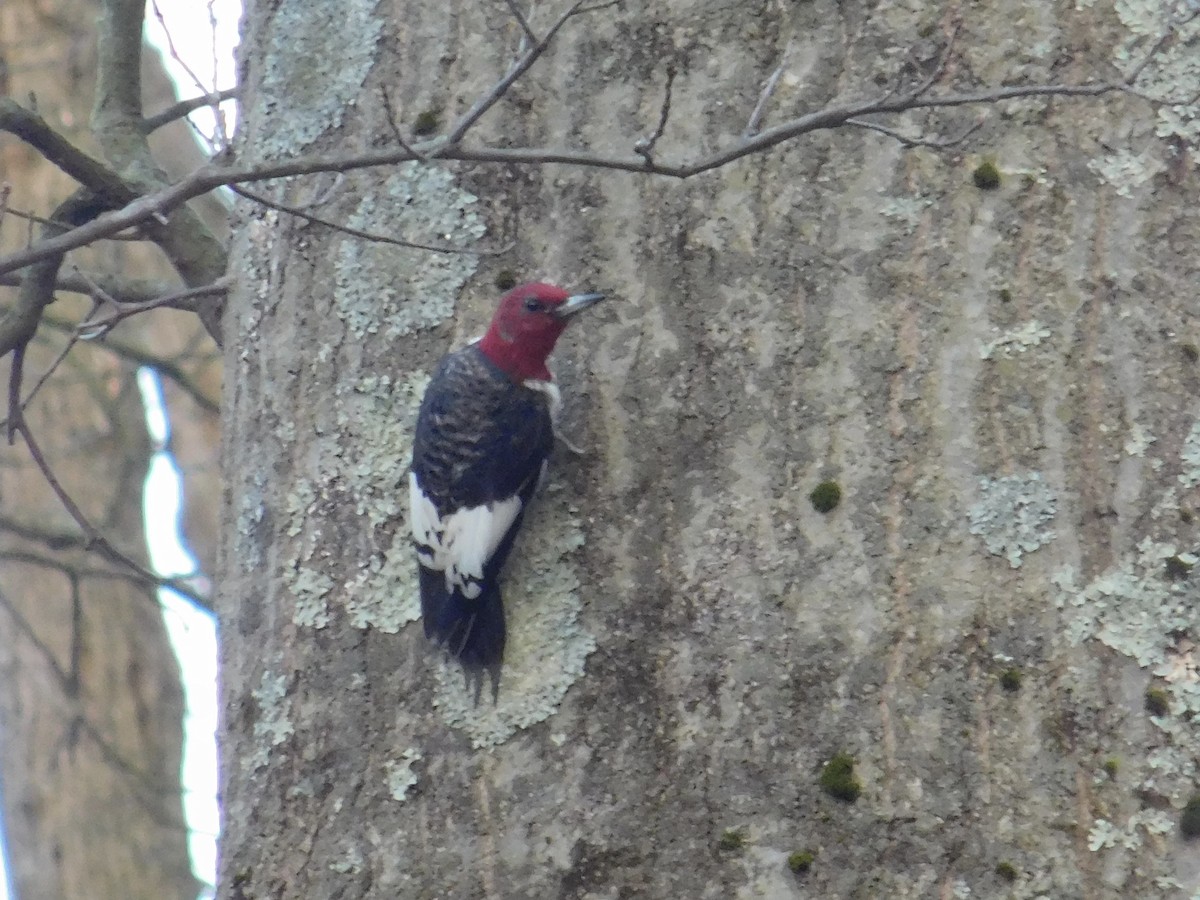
x,y
1000,378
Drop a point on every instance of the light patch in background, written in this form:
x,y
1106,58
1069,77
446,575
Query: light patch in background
x,y
196,42
5,884
192,631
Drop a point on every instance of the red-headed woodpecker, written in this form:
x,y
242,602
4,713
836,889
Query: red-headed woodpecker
x,y
484,433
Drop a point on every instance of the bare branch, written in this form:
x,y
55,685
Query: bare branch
x,y
645,147
197,81
58,361
90,328
210,177
51,540
56,562
1160,44
117,115
133,234
22,625
78,282
521,20
908,141
14,393
94,539
760,107
519,68
219,140
168,369
20,321
185,108
197,255
391,119
837,116
940,68
87,170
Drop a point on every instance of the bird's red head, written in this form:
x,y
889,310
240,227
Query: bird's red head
x,y
526,326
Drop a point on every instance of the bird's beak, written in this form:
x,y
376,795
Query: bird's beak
x,y
576,303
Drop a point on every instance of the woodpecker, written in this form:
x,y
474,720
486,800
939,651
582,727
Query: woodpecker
x,y
483,438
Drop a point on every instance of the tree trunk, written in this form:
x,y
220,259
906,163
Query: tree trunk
x,y
999,378
91,705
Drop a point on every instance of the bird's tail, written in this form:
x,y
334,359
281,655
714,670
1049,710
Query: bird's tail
x,y
471,630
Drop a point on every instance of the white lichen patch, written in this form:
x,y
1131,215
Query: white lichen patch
x,y
1105,834
375,427
310,588
376,419
1131,608
297,100
1013,513
400,774
251,513
547,644
1125,170
384,595
1139,440
372,450
349,863
272,727
308,584
1015,341
393,291
1141,612
1190,457
905,209
1174,73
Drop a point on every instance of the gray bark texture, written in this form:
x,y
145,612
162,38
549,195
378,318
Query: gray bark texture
x,y
997,624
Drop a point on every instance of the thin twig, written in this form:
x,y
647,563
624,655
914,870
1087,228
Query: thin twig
x,y
78,282
391,120
645,147
168,369
909,141
72,340
16,373
87,170
521,20
40,534
90,329
1160,44
54,562
185,108
31,635
760,107
175,55
95,540
519,68
358,232
940,68
207,178
35,219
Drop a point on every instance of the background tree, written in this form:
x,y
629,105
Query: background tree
x,y
973,675
90,699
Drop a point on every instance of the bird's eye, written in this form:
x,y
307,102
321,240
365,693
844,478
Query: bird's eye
x,y
533,304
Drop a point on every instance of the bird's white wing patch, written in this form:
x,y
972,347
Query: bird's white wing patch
x,y
423,519
461,543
